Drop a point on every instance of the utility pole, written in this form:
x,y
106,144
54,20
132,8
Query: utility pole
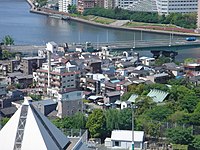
x,y
134,40
132,127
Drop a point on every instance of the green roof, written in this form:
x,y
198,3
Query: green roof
x,y
157,95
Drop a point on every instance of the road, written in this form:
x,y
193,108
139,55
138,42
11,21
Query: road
x,y
114,46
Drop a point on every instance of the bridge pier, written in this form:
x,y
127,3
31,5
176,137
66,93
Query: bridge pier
x,y
159,53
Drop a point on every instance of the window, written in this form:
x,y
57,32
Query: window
x,y
79,94
117,143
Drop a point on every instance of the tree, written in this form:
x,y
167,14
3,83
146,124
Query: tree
x,y
159,113
143,103
4,121
196,143
79,121
180,136
8,40
41,2
72,9
6,54
125,122
189,102
96,124
177,117
112,119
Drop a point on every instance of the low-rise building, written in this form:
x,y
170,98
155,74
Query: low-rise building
x,y
122,139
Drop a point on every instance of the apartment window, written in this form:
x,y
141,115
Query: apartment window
x,y
79,94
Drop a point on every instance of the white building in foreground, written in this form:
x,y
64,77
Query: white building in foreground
x,y
28,129
122,139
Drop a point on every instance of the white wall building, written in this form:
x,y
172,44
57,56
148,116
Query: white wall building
x,y
176,6
198,18
63,5
122,139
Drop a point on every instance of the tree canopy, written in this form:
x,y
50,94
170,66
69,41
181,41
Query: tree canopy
x,y
183,20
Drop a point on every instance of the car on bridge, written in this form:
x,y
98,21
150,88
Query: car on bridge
x,y
190,39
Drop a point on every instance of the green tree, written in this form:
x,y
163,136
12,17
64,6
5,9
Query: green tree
x,y
79,121
143,103
41,2
180,136
72,9
6,54
112,119
8,40
196,143
125,122
96,124
177,117
159,113
189,102
4,121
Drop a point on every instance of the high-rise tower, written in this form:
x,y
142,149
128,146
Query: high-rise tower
x,y
198,18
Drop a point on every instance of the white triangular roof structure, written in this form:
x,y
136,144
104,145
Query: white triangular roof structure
x,y
28,129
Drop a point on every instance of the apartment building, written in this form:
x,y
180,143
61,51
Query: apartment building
x,y
30,64
109,4
69,102
85,4
63,5
176,6
198,18
61,77
123,3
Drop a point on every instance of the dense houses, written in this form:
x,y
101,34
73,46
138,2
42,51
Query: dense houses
x,y
68,77
63,80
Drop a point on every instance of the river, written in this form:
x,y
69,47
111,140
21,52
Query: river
x,y
33,29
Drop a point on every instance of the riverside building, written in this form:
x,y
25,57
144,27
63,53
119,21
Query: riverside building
x,y
176,6
63,5
198,18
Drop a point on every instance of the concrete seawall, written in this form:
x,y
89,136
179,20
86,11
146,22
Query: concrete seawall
x,y
33,10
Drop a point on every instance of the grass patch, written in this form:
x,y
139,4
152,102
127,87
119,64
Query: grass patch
x,y
103,20
135,24
179,147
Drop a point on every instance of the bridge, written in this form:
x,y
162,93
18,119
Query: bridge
x,y
139,45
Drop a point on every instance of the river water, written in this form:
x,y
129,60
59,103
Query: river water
x,y
33,29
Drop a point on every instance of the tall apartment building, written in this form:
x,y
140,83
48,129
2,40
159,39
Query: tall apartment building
x,y
198,18
176,6
143,5
123,3
63,5
109,4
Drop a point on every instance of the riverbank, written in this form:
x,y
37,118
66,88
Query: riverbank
x,y
151,29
